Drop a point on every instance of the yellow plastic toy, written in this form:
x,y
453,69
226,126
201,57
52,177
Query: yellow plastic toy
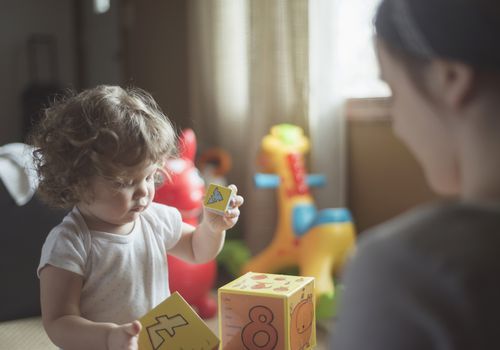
x,y
318,242
174,325
261,311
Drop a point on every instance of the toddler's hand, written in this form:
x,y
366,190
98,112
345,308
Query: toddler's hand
x,y
218,223
124,337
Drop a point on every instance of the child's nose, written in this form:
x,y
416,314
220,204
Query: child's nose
x,y
141,190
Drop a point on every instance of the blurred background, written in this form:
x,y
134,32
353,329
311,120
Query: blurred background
x,y
228,69
49,46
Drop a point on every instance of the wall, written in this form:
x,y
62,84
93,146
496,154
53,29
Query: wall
x,y
18,20
102,45
384,178
156,52
147,46
88,51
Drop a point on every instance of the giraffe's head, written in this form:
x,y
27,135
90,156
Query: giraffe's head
x,y
283,140
282,153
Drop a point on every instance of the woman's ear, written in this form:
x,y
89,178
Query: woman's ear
x,y
455,82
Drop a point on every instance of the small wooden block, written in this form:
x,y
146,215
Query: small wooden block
x,y
174,325
217,198
267,312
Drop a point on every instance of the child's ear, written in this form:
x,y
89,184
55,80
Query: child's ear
x,y
455,82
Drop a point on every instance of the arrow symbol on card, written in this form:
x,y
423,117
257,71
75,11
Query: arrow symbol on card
x,y
164,324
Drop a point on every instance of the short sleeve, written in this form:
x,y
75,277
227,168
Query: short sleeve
x,y
395,299
167,222
64,249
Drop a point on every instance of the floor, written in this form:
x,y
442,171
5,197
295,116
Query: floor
x,y
24,334
29,334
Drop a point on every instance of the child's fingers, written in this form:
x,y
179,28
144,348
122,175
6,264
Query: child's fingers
x,y
237,201
240,200
133,328
232,213
229,222
137,326
124,336
233,188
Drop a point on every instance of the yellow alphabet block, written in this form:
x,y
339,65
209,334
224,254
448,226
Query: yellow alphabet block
x,y
267,312
217,198
174,325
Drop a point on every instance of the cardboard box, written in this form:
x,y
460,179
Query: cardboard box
x,y
260,311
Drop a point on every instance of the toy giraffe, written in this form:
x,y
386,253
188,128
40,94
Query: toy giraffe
x,y
318,242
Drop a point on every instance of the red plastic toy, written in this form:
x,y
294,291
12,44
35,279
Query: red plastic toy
x,y
183,189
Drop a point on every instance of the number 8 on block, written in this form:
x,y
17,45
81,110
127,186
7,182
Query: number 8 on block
x,y
261,311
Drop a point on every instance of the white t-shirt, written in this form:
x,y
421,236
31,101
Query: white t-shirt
x,y
124,276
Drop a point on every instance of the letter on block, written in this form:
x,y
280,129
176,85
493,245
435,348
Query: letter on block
x,y
174,325
260,311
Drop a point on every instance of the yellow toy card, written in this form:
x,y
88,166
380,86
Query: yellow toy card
x,y
174,325
217,198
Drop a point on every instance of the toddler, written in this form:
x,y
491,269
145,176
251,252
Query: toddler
x,y
104,266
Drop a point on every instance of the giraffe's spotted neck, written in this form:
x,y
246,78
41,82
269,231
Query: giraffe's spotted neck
x,y
297,184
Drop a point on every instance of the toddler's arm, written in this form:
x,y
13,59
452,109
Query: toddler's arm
x,y
203,243
60,300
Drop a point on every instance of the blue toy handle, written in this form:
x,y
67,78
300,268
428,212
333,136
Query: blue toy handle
x,y
266,180
273,181
316,180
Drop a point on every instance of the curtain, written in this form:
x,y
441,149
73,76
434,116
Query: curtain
x,y
257,63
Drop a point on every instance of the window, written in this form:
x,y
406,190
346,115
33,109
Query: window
x,y
357,63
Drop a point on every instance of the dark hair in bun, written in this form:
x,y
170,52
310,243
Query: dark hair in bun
x,y
461,30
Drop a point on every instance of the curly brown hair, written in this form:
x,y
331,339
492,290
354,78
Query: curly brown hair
x,y
103,131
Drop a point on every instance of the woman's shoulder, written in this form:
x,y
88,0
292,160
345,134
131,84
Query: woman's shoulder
x,y
443,231
439,220
420,273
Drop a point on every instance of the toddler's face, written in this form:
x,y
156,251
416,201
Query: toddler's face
x,y
116,205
